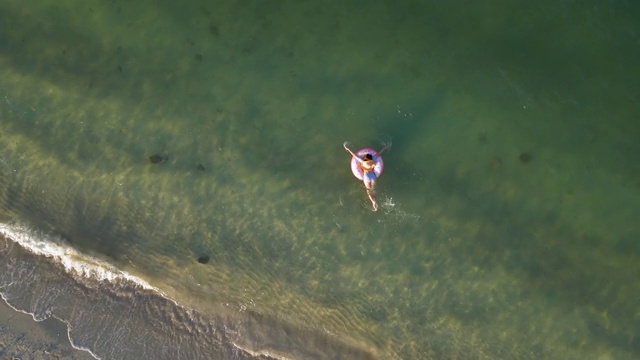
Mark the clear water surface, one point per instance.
(508, 221)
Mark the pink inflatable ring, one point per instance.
(355, 165)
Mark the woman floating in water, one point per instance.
(367, 166)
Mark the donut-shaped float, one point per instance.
(355, 164)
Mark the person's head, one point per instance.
(368, 157)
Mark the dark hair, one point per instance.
(368, 156)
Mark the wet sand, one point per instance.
(23, 338)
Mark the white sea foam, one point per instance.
(73, 261)
(390, 207)
(81, 266)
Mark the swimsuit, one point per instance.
(368, 174)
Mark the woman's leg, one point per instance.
(371, 192)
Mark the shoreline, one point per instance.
(154, 322)
(23, 337)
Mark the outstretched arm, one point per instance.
(386, 147)
(360, 160)
(349, 150)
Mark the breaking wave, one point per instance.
(115, 315)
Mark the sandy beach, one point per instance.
(23, 338)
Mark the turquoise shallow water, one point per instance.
(508, 202)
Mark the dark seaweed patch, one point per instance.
(157, 159)
(525, 157)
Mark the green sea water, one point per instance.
(508, 220)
